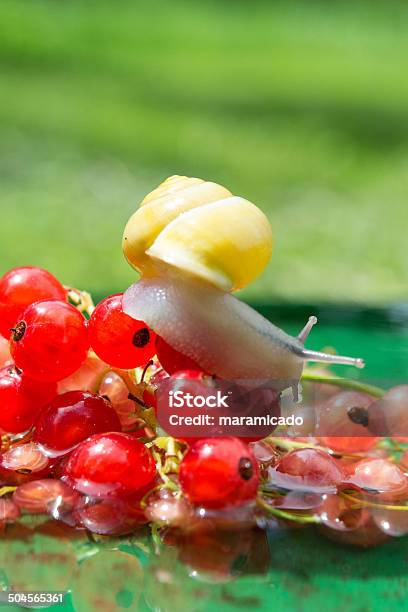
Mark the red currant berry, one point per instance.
(310, 468)
(71, 418)
(391, 522)
(21, 287)
(118, 339)
(110, 464)
(345, 414)
(23, 463)
(21, 400)
(195, 382)
(110, 516)
(51, 340)
(219, 472)
(166, 507)
(25, 458)
(40, 496)
(114, 387)
(388, 415)
(379, 476)
(171, 360)
(338, 513)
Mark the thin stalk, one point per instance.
(368, 504)
(343, 383)
(297, 518)
(288, 444)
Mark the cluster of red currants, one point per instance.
(71, 439)
(77, 442)
(355, 498)
(49, 340)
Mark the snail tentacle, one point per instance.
(304, 334)
(320, 357)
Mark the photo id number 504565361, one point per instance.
(32, 599)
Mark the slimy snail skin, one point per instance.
(194, 243)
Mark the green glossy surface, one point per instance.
(281, 570)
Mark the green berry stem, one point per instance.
(297, 518)
(287, 444)
(343, 383)
(368, 504)
(7, 489)
(82, 300)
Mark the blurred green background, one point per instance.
(301, 107)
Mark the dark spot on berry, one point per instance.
(245, 468)
(141, 337)
(24, 471)
(358, 415)
(18, 331)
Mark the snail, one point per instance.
(194, 243)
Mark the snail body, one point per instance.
(194, 243)
(219, 332)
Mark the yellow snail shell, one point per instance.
(188, 226)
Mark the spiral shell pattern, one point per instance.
(188, 226)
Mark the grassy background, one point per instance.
(300, 106)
